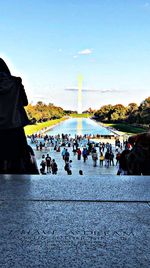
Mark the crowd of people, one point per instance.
(102, 154)
(49, 164)
(131, 157)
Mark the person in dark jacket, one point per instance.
(14, 151)
(138, 160)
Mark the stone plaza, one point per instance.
(74, 221)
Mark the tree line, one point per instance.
(130, 114)
(133, 114)
(41, 112)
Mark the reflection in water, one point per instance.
(79, 126)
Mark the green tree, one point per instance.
(42, 112)
(118, 112)
(104, 113)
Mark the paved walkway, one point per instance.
(77, 165)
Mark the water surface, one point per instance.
(79, 126)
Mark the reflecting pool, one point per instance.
(79, 126)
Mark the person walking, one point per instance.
(84, 154)
(66, 157)
(107, 159)
(101, 158)
(111, 158)
(43, 165)
(63, 153)
(79, 154)
(68, 167)
(48, 163)
(54, 167)
(94, 157)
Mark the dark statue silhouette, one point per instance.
(15, 153)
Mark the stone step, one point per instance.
(53, 187)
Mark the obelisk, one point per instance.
(80, 80)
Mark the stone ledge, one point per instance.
(103, 188)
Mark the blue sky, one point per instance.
(50, 42)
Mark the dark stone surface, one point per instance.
(50, 187)
(74, 230)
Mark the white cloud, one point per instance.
(97, 90)
(86, 51)
(75, 56)
(111, 90)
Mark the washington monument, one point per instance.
(80, 80)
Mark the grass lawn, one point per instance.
(126, 128)
(30, 129)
